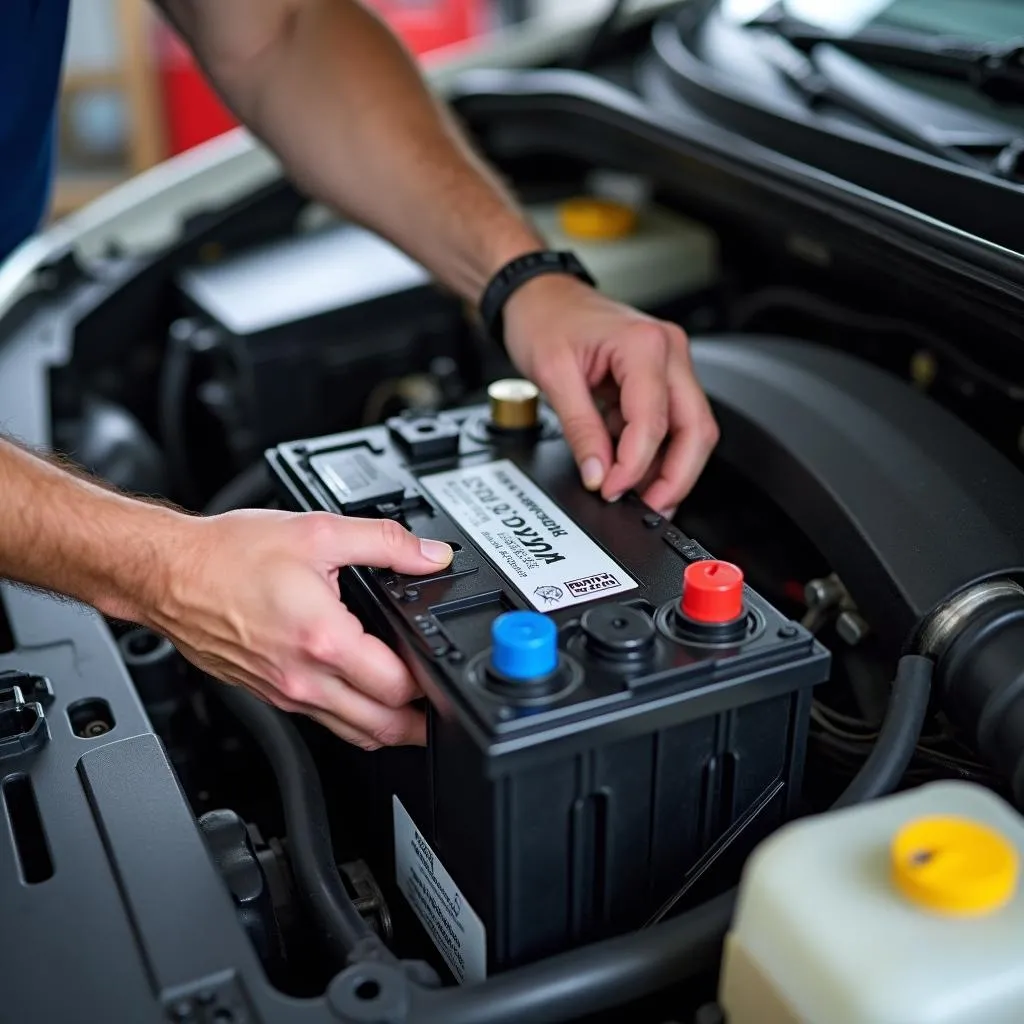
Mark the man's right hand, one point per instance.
(252, 598)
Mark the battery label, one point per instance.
(450, 921)
(532, 542)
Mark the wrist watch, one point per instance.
(515, 274)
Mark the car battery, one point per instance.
(611, 711)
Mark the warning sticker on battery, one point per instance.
(549, 559)
(450, 921)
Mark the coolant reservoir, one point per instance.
(907, 910)
(639, 253)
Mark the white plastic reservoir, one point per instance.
(907, 910)
(642, 254)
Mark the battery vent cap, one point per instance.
(712, 592)
(515, 404)
(524, 645)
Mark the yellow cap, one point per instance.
(596, 220)
(954, 866)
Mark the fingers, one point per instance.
(568, 392)
(640, 365)
(269, 619)
(359, 708)
(342, 648)
(694, 436)
(381, 543)
(341, 729)
(353, 683)
(386, 727)
(359, 719)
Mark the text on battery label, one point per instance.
(530, 540)
(452, 924)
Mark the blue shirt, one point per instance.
(32, 34)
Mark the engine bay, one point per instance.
(179, 852)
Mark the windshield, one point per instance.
(977, 20)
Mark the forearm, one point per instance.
(332, 92)
(63, 533)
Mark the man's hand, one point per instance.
(394, 159)
(252, 599)
(249, 597)
(582, 348)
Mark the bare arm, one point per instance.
(64, 533)
(250, 597)
(328, 87)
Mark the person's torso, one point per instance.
(32, 34)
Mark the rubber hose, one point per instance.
(574, 985)
(600, 977)
(173, 394)
(252, 488)
(899, 735)
(310, 851)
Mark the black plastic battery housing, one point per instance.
(549, 815)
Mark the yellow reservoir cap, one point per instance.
(596, 220)
(954, 866)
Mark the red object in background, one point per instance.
(194, 113)
(427, 25)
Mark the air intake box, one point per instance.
(611, 710)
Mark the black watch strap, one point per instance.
(515, 274)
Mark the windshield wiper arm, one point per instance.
(994, 69)
(815, 85)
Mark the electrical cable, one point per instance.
(310, 850)
(847, 740)
(899, 735)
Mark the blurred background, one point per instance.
(132, 95)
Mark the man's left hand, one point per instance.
(655, 430)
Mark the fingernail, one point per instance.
(592, 472)
(614, 498)
(669, 513)
(436, 551)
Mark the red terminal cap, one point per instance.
(712, 592)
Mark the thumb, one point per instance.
(584, 429)
(385, 544)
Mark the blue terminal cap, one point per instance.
(524, 645)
